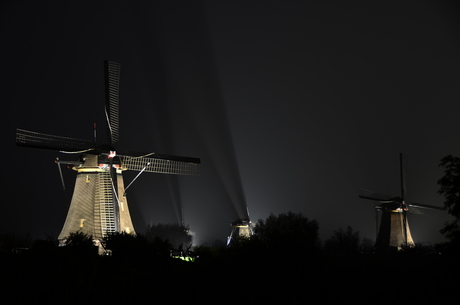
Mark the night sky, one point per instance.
(291, 106)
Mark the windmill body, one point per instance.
(394, 231)
(99, 206)
(239, 228)
(394, 228)
(91, 209)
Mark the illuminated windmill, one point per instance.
(394, 229)
(99, 205)
(240, 228)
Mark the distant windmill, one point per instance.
(99, 205)
(240, 228)
(394, 229)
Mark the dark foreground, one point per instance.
(294, 279)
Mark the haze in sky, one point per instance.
(291, 106)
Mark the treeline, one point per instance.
(292, 235)
(157, 240)
(286, 234)
(283, 262)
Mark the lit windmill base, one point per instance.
(240, 228)
(394, 229)
(92, 210)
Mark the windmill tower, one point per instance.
(394, 229)
(99, 205)
(240, 228)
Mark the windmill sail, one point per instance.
(112, 85)
(51, 142)
(366, 194)
(162, 164)
(403, 164)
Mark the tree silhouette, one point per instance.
(13, 242)
(79, 244)
(79, 239)
(450, 189)
(177, 235)
(287, 233)
(343, 242)
(122, 244)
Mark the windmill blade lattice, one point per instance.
(419, 208)
(171, 165)
(33, 139)
(403, 165)
(370, 195)
(112, 88)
